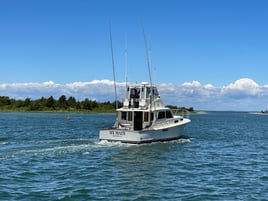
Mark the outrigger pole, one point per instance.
(126, 61)
(148, 56)
(149, 70)
(112, 52)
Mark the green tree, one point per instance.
(27, 102)
(4, 100)
(86, 104)
(19, 103)
(191, 109)
(62, 102)
(42, 102)
(35, 105)
(71, 102)
(51, 102)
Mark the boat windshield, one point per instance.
(164, 115)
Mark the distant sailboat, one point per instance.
(264, 111)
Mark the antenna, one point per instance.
(148, 55)
(112, 52)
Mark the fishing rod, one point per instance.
(112, 52)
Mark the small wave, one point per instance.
(3, 143)
(106, 143)
(178, 141)
(4, 140)
(184, 140)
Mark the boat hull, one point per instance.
(145, 136)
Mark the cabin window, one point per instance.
(155, 92)
(134, 93)
(152, 116)
(168, 114)
(146, 117)
(129, 115)
(161, 115)
(124, 116)
(142, 94)
(148, 91)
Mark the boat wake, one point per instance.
(70, 146)
(48, 148)
(118, 143)
(106, 143)
(183, 140)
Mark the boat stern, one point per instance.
(120, 135)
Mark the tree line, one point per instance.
(181, 109)
(64, 104)
(52, 104)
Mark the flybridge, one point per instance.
(141, 96)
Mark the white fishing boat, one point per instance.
(144, 118)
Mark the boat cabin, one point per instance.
(142, 107)
(141, 119)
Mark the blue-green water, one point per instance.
(222, 156)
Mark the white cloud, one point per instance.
(242, 87)
(243, 94)
(209, 87)
(194, 83)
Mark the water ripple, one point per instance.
(223, 156)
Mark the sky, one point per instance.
(210, 55)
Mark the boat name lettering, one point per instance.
(117, 133)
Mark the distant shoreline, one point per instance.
(260, 113)
(61, 111)
(87, 111)
(190, 112)
(200, 112)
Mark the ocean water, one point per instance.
(221, 156)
